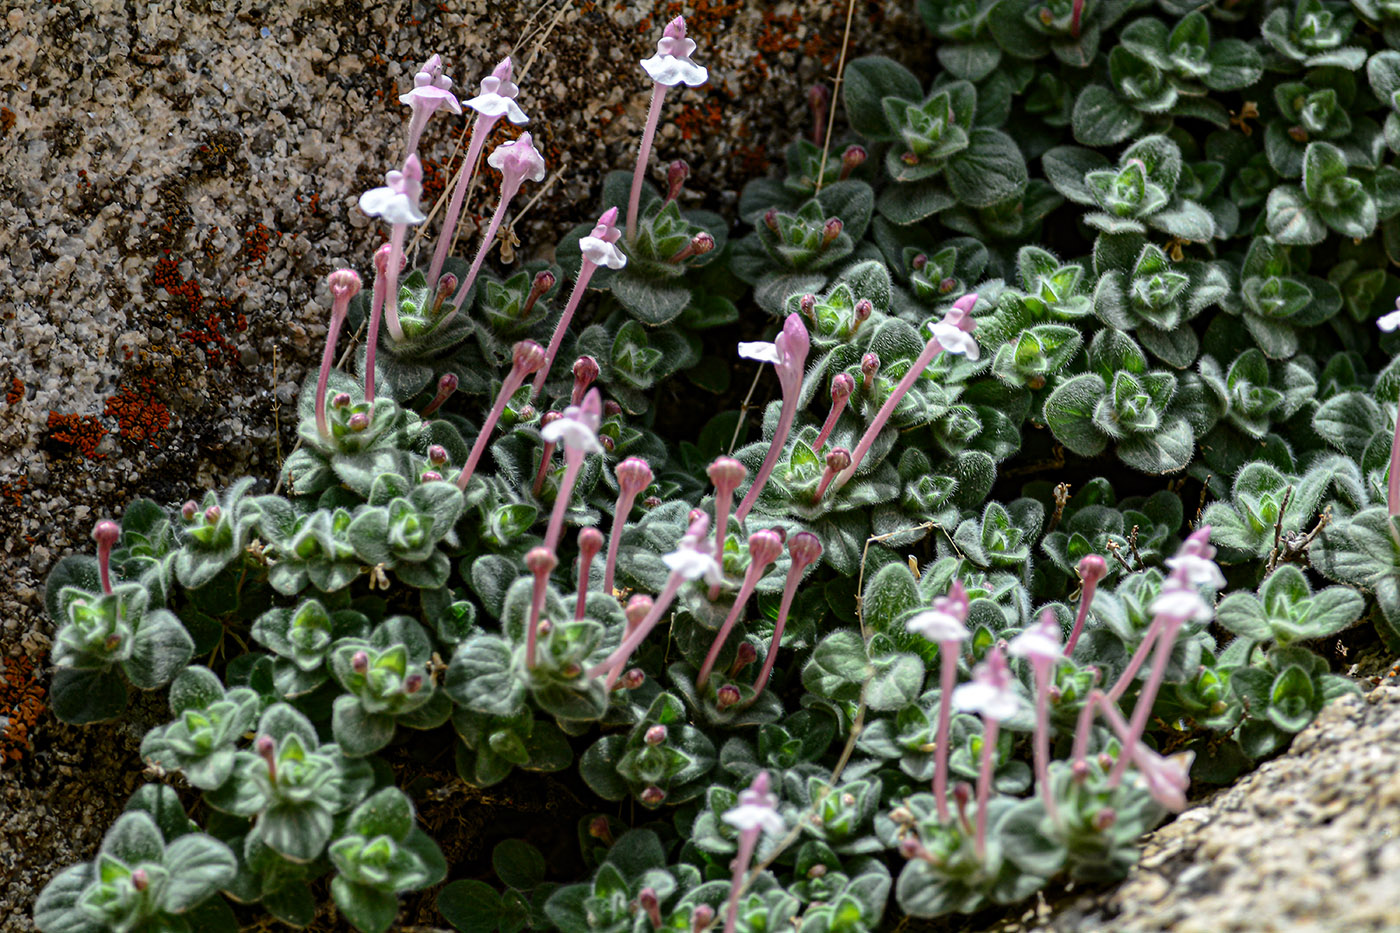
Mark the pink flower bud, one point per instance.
(608, 444)
(1105, 818)
(727, 696)
(413, 683)
(743, 657)
(590, 542)
(437, 455)
(359, 663)
(430, 476)
(446, 386)
(770, 219)
(652, 796)
(359, 421)
(633, 679)
(544, 280)
(764, 547)
(340, 400)
(727, 474)
(676, 174)
(212, 515)
(807, 305)
(841, 388)
(446, 285)
(540, 560)
(837, 459)
(106, 533)
(919, 261)
(344, 284)
(633, 475)
(651, 906)
(862, 311)
(1092, 569)
(585, 371)
(869, 366)
(188, 510)
(527, 356)
(1079, 771)
(266, 749)
(655, 735)
(599, 828)
(637, 608)
(853, 158)
(701, 917)
(140, 880)
(831, 230)
(804, 548)
(946, 285)
(611, 409)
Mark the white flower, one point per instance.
(574, 433)
(1180, 601)
(1389, 322)
(937, 625)
(691, 563)
(431, 88)
(497, 97)
(1167, 778)
(517, 161)
(672, 65)
(1197, 570)
(397, 201)
(757, 809)
(750, 816)
(1040, 642)
(578, 429)
(953, 340)
(600, 246)
(990, 693)
(760, 350)
(991, 702)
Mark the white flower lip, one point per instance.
(497, 99)
(574, 433)
(937, 626)
(751, 816)
(394, 202)
(690, 563)
(672, 65)
(1035, 643)
(998, 703)
(1389, 322)
(954, 340)
(1181, 602)
(1197, 570)
(760, 350)
(601, 253)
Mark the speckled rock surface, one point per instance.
(176, 179)
(1308, 843)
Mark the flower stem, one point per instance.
(481, 251)
(1085, 600)
(931, 349)
(789, 591)
(323, 380)
(990, 729)
(620, 513)
(391, 287)
(1042, 734)
(613, 663)
(948, 675)
(770, 461)
(480, 130)
(745, 591)
(573, 462)
(748, 841)
(508, 388)
(1166, 639)
(585, 272)
(634, 199)
(372, 337)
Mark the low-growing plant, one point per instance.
(942, 623)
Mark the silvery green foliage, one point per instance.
(1178, 225)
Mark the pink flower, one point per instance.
(672, 65)
(945, 621)
(599, 247)
(953, 333)
(1167, 777)
(397, 201)
(1039, 643)
(517, 161)
(497, 97)
(431, 89)
(990, 693)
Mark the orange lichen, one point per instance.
(15, 491)
(7, 121)
(21, 705)
(81, 432)
(257, 241)
(16, 393)
(140, 415)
